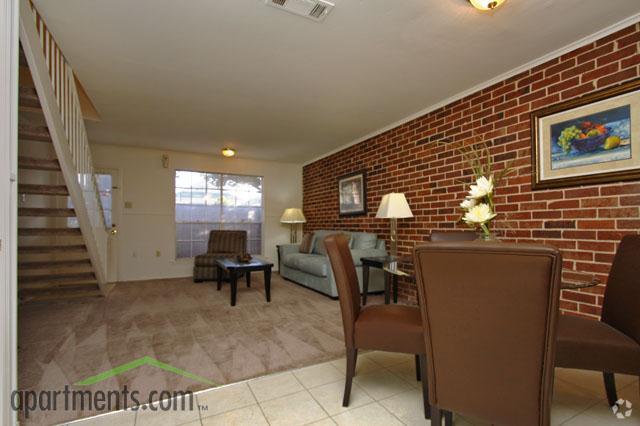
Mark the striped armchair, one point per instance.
(221, 244)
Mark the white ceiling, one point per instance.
(196, 75)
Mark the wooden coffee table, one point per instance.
(235, 268)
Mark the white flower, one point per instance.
(483, 187)
(479, 215)
(468, 203)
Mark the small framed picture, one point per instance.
(592, 139)
(353, 193)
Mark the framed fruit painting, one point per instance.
(592, 139)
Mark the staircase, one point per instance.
(61, 229)
(53, 262)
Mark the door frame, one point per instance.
(8, 202)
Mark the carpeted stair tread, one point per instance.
(33, 232)
(34, 133)
(53, 264)
(31, 163)
(42, 249)
(45, 212)
(27, 188)
(57, 279)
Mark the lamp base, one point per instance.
(394, 237)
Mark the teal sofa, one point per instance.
(313, 269)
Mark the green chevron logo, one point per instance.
(145, 360)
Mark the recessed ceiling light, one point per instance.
(486, 4)
(228, 152)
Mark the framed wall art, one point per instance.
(352, 190)
(592, 139)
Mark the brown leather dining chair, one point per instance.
(436, 236)
(611, 345)
(490, 312)
(391, 328)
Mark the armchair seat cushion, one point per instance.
(393, 328)
(594, 345)
(222, 243)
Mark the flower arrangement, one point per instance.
(478, 206)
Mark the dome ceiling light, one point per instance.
(228, 152)
(486, 4)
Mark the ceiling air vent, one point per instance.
(312, 9)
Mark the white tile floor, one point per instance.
(384, 393)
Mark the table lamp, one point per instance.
(293, 216)
(394, 206)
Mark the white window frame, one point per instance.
(175, 224)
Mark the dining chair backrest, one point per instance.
(436, 236)
(490, 314)
(344, 272)
(621, 306)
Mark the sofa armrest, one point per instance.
(285, 249)
(381, 245)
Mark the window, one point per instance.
(209, 201)
(105, 188)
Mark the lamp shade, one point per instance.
(293, 216)
(394, 206)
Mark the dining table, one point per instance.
(401, 267)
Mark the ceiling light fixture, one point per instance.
(486, 4)
(228, 152)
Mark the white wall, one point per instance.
(149, 225)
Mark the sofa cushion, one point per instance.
(364, 240)
(292, 259)
(318, 244)
(307, 243)
(314, 264)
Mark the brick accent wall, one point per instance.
(585, 222)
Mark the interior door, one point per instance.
(111, 196)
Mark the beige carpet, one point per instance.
(189, 326)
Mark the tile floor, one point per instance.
(384, 393)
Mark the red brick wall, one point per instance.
(585, 222)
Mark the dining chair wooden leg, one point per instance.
(610, 388)
(425, 385)
(418, 375)
(436, 416)
(352, 356)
